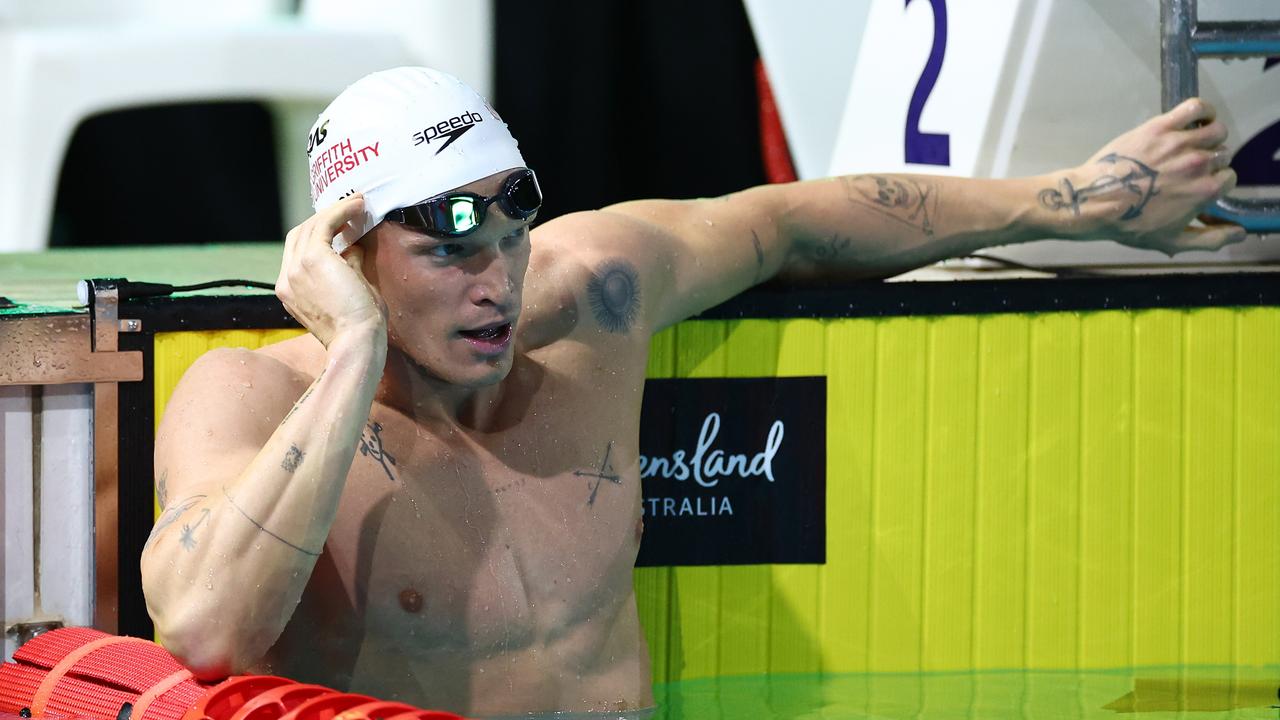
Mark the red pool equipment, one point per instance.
(81, 671)
(376, 710)
(225, 699)
(84, 674)
(274, 703)
(326, 707)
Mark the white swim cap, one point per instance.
(401, 136)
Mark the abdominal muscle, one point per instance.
(593, 666)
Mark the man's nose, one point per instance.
(493, 283)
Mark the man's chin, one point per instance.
(479, 373)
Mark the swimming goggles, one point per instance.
(455, 214)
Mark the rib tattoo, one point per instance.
(606, 472)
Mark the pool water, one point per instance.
(1194, 693)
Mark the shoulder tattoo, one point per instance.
(614, 295)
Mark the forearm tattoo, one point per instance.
(606, 472)
(304, 397)
(614, 295)
(371, 446)
(908, 201)
(162, 488)
(258, 525)
(188, 537)
(1140, 181)
(755, 242)
(171, 515)
(292, 459)
(831, 248)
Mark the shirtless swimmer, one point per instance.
(388, 503)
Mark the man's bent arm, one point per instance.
(232, 552)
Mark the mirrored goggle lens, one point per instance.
(457, 215)
(525, 195)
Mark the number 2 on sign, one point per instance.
(929, 148)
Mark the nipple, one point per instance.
(411, 600)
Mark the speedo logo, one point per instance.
(450, 129)
(316, 138)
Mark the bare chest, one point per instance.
(492, 541)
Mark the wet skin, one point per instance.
(478, 561)
(476, 573)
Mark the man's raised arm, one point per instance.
(1142, 189)
(249, 486)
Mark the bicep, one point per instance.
(703, 252)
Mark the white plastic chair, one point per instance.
(62, 62)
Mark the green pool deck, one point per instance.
(45, 282)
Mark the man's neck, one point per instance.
(410, 389)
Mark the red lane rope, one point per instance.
(67, 663)
(145, 699)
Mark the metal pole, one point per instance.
(1177, 56)
(1183, 41)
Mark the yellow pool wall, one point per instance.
(1048, 491)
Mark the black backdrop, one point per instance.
(610, 99)
(621, 100)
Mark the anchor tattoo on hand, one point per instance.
(1140, 180)
(606, 472)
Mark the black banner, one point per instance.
(734, 471)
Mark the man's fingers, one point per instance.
(1226, 180)
(1193, 111)
(1207, 136)
(354, 257)
(332, 220)
(1221, 159)
(1210, 238)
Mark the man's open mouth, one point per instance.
(490, 338)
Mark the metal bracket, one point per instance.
(24, 631)
(1184, 40)
(60, 349)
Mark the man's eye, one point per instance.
(445, 249)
